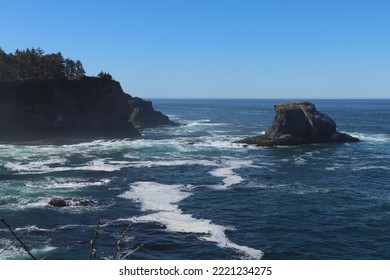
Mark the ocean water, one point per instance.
(189, 193)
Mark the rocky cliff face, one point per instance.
(143, 115)
(85, 108)
(298, 123)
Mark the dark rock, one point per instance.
(193, 142)
(144, 116)
(81, 202)
(58, 202)
(61, 202)
(298, 123)
(86, 108)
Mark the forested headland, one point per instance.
(44, 96)
(34, 64)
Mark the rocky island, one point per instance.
(298, 123)
(47, 97)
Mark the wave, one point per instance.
(33, 228)
(178, 162)
(309, 190)
(41, 167)
(29, 229)
(26, 203)
(50, 153)
(203, 123)
(13, 252)
(66, 183)
(162, 200)
(371, 167)
(375, 137)
(299, 160)
(35, 164)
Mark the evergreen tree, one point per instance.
(70, 69)
(33, 64)
(79, 69)
(6, 66)
(104, 75)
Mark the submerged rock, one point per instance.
(298, 123)
(61, 202)
(58, 202)
(193, 142)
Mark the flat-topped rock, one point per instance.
(298, 123)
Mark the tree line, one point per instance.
(34, 64)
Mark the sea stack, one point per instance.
(299, 123)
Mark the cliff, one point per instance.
(298, 123)
(85, 108)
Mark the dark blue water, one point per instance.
(191, 194)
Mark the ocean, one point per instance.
(189, 193)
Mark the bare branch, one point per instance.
(118, 244)
(92, 252)
(17, 238)
(132, 251)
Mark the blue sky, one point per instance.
(216, 48)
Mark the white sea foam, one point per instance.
(299, 160)
(178, 162)
(66, 183)
(16, 252)
(36, 164)
(25, 203)
(375, 137)
(203, 123)
(226, 171)
(221, 143)
(10, 250)
(49, 154)
(156, 197)
(265, 186)
(33, 228)
(230, 177)
(371, 167)
(163, 199)
(335, 166)
(303, 191)
(41, 167)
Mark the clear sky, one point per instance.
(215, 48)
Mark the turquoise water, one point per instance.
(190, 193)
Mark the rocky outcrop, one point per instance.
(64, 202)
(298, 123)
(144, 116)
(85, 108)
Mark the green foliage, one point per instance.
(34, 64)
